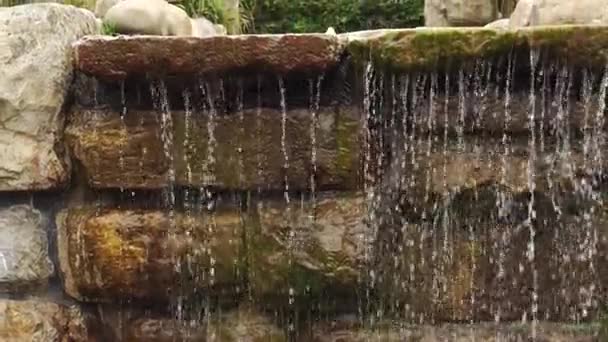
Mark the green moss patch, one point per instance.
(416, 49)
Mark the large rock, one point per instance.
(130, 153)
(154, 17)
(38, 321)
(559, 12)
(119, 57)
(439, 13)
(36, 58)
(24, 257)
(144, 254)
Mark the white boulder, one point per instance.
(441, 13)
(559, 12)
(102, 7)
(149, 17)
(201, 27)
(36, 72)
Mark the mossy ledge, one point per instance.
(437, 48)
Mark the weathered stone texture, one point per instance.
(309, 249)
(559, 12)
(442, 48)
(111, 254)
(36, 59)
(116, 58)
(247, 151)
(39, 321)
(24, 257)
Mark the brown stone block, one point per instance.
(246, 152)
(110, 254)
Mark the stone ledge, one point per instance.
(429, 48)
(115, 58)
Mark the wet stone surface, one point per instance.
(41, 321)
(243, 152)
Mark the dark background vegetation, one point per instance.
(299, 16)
(275, 16)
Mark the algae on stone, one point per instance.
(432, 49)
(110, 254)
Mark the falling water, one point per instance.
(123, 126)
(315, 101)
(284, 143)
(532, 187)
(187, 97)
(368, 181)
(292, 232)
(209, 92)
(502, 201)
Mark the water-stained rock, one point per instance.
(106, 255)
(486, 255)
(117, 58)
(24, 257)
(307, 248)
(246, 150)
(40, 321)
(36, 58)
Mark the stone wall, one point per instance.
(299, 187)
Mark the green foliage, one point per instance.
(109, 29)
(235, 21)
(280, 16)
(276, 16)
(603, 331)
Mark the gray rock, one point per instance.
(559, 12)
(36, 59)
(440, 13)
(24, 258)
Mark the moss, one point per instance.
(432, 48)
